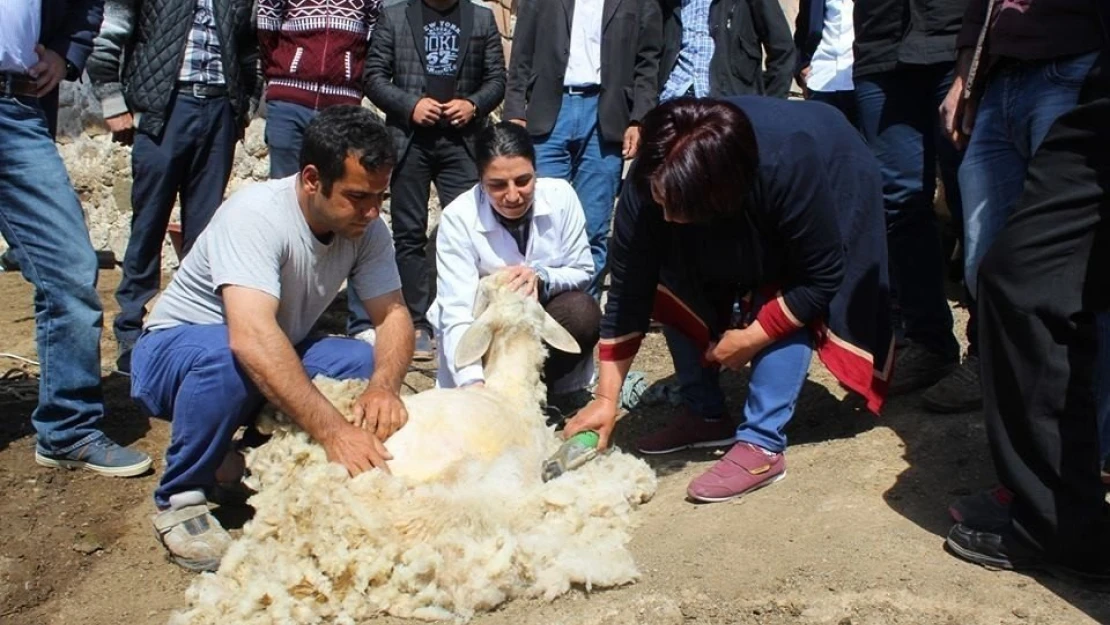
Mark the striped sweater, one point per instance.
(313, 51)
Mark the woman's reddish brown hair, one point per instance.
(700, 155)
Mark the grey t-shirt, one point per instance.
(259, 239)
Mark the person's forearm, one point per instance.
(392, 351)
(610, 379)
(963, 62)
(273, 365)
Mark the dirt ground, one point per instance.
(853, 536)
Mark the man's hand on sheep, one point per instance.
(380, 411)
(523, 280)
(356, 449)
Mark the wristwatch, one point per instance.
(72, 73)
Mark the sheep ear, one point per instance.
(558, 337)
(474, 343)
(481, 302)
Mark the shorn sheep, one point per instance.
(463, 524)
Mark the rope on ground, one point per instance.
(35, 363)
(19, 385)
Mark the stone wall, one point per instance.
(101, 169)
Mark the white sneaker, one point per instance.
(193, 537)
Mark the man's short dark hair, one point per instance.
(344, 130)
(700, 154)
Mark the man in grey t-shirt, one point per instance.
(231, 330)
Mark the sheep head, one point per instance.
(508, 333)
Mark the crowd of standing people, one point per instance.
(649, 167)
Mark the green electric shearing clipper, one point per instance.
(575, 452)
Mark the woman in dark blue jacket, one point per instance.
(753, 229)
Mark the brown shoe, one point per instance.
(425, 348)
(687, 431)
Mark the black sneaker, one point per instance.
(999, 550)
(1005, 551)
(916, 367)
(985, 510)
(959, 391)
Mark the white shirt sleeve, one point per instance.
(577, 268)
(456, 288)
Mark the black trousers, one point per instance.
(579, 314)
(191, 160)
(1039, 287)
(433, 155)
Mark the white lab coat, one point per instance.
(472, 244)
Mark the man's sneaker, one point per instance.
(1005, 551)
(959, 391)
(424, 350)
(745, 468)
(101, 456)
(688, 430)
(916, 367)
(193, 537)
(987, 510)
(997, 550)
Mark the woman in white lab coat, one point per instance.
(533, 226)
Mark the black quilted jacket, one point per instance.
(138, 54)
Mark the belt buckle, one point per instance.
(6, 81)
(198, 89)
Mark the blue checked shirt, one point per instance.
(692, 67)
(202, 61)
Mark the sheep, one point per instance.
(463, 524)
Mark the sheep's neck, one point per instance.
(513, 367)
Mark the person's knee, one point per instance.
(580, 315)
(340, 358)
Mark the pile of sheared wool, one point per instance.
(463, 524)
(326, 548)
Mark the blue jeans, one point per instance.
(189, 373)
(285, 124)
(41, 218)
(575, 151)
(898, 118)
(192, 159)
(1018, 107)
(777, 375)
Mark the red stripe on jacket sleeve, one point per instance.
(776, 319)
(613, 350)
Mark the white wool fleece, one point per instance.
(462, 525)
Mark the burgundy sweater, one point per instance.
(313, 51)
